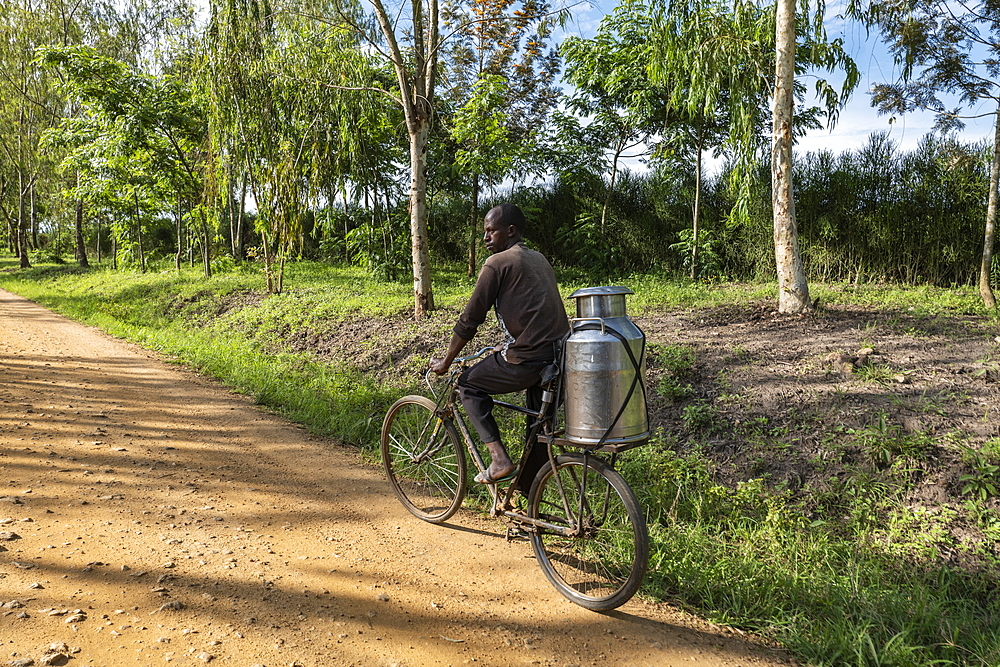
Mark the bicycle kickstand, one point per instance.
(516, 533)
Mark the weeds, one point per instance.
(879, 373)
(677, 362)
(700, 416)
(983, 480)
(884, 442)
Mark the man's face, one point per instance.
(497, 237)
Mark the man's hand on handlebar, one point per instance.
(440, 366)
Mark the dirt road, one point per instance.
(147, 515)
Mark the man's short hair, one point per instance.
(509, 214)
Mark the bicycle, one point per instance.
(584, 523)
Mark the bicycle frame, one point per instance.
(542, 429)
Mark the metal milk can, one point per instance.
(604, 383)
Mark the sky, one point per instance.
(859, 119)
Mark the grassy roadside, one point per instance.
(854, 585)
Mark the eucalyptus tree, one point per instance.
(944, 48)
(282, 88)
(255, 128)
(407, 38)
(354, 148)
(737, 55)
(416, 67)
(793, 289)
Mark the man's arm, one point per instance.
(441, 366)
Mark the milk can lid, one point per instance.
(600, 291)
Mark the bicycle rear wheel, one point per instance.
(423, 459)
(602, 564)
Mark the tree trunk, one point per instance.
(423, 295)
(265, 245)
(474, 238)
(34, 216)
(231, 212)
(11, 227)
(138, 232)
(81, 248)
(985, 291)
(697, 205)
(240, 232)
(793, 291)
(22, 224)
(611, 183)
(272, 288)
(178, 256)
(206, 250)
(416, 88)
(12, 236)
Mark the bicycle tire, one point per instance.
(602, 569)
(428, 477)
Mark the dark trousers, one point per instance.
(493, 375)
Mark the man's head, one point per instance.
(503, 226)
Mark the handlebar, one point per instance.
(478, 355)
(460, 361)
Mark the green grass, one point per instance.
(676, 362)
(924, 300)
(834, 594)
(846, 574)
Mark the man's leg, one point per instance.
(477, 386)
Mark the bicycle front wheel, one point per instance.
(423, 459)
(601, 562)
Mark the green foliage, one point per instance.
(134, 150)
(709, 262)
(676, 362)
(717, 60)
(884, 442)
(47, 255)
(983, 480)
(880, 373)
(700, 416)
(381, 246)
(877, 214)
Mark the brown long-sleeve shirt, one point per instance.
(521, 285)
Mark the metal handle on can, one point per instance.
(590, 319)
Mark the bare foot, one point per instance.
(496, 474)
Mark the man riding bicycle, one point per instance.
(520, 285)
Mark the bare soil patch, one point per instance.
(805, 383)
